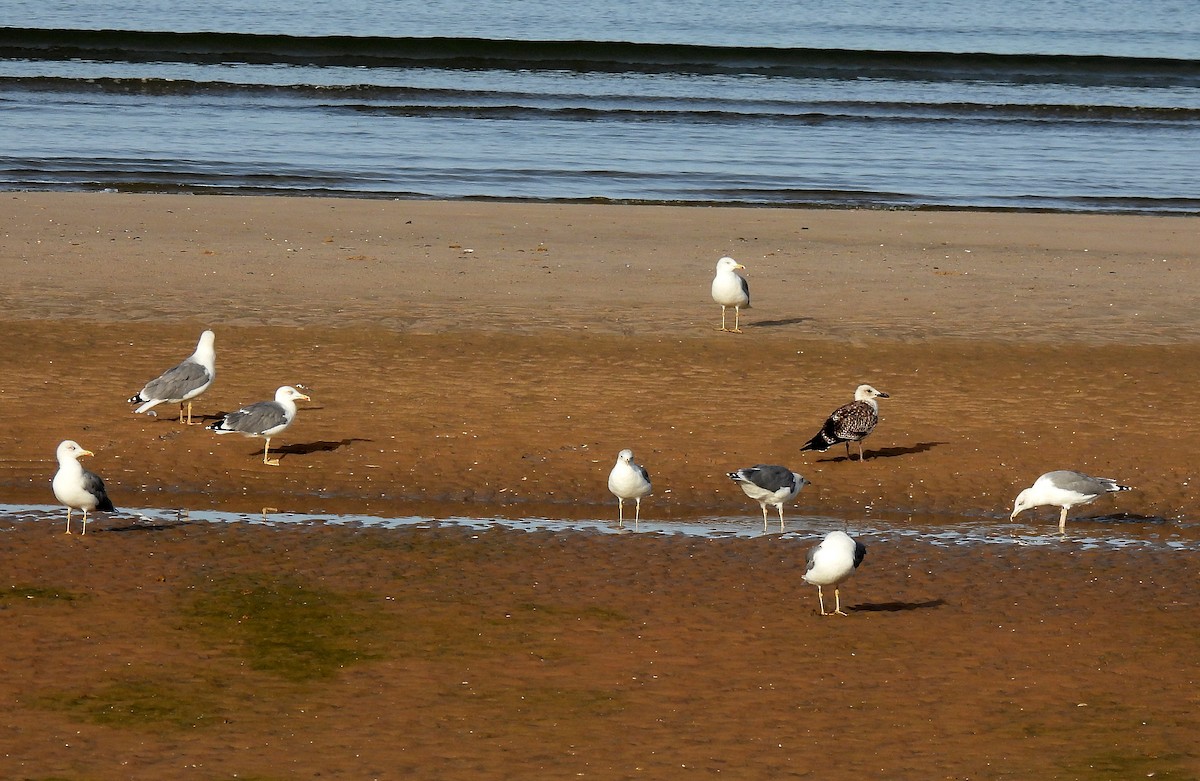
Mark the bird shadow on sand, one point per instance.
(143, 524)
(777, 323)
(321, 446)
(198, 419)
(887, 452)
(897, 607)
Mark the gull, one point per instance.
(263, 419)
(769, 484)
(830, 562)
(183, 382)
(1064, 488)
(730, 289)
(851, 422)
(75, 486)
(628, 480)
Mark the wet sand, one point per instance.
(471, 359)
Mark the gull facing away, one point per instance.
(263, 419)
(832, 561)
(730, 289)
(75, 486)
(769, 484)
(628, 480)
(183, 382)
(851, 422)
(1064, 488)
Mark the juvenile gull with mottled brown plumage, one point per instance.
(851, 422)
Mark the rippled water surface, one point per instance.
(1104, 532)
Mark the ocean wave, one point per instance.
(167, 176)
(588, 56)
(482, 104)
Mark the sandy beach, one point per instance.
(490, 359)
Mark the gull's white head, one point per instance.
(69, 449)
(206, 351)
(288, 393)
(728, 264)
(625, 455)
(1024, 502)
(866, 393)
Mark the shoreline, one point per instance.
(816, 205)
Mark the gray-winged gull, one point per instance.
(628, 480)
(75, 486)
(769, 484)
(730, 289)
(832, 561)
(851, 422)
(263, 419)
(1064, 488)
(183, 382)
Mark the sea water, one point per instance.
(1075, 106)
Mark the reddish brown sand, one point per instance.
(490, 360)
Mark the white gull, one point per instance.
(75, 486)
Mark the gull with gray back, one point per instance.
(832, 561)
(730, 289)
(628, 480)
(1064, 488)
(769, 484)
(263, 419)
(183, 382)
(75, 486)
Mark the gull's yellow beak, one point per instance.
(83, 453)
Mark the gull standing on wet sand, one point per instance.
(730, 289)
(263, 419)
(628, 480)
(851, 422)
(1064, 488)
(183, 382)
(769, 484)
(832, 561)
(75, 486)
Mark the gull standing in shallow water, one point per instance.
(628, 480)
(1064, 488)
(730, 289)
(183, 382)
(769, 484)
(830, 562)
(75, 486)
(851, 422)
(263, 419)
